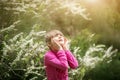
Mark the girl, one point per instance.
(59, 58)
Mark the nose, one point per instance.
(59, 36)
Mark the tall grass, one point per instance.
(89, 54)
(22, 56)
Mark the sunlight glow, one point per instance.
(92, 1)
(70, 7)
(75, 8)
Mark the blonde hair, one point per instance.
(51, 34)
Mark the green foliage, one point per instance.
(22, 57)
(89, 57)
(49, 14)
(22, 45)
(68, 16)
(105, 71)
(84, 40)
(105, 21)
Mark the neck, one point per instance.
(53, 50)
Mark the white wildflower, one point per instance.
(109, 52)
(16, 37)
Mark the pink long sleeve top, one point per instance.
(57, 64)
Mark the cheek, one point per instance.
(55, 38)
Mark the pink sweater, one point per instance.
(57, 64)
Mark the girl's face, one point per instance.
(59, 38)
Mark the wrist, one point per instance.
(60, 48)
(65, 48)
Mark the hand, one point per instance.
(55, 45)
(66, 44)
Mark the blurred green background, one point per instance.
(77, 19)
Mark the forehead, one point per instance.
(54, 33)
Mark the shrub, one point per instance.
(22, 56)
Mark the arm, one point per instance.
(72, 61)
(59, 62)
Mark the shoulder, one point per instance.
(49, 55)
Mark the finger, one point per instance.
(66, 40)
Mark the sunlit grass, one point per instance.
(75, 8)
(92, 1)
(22, 52)
(70, 7)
